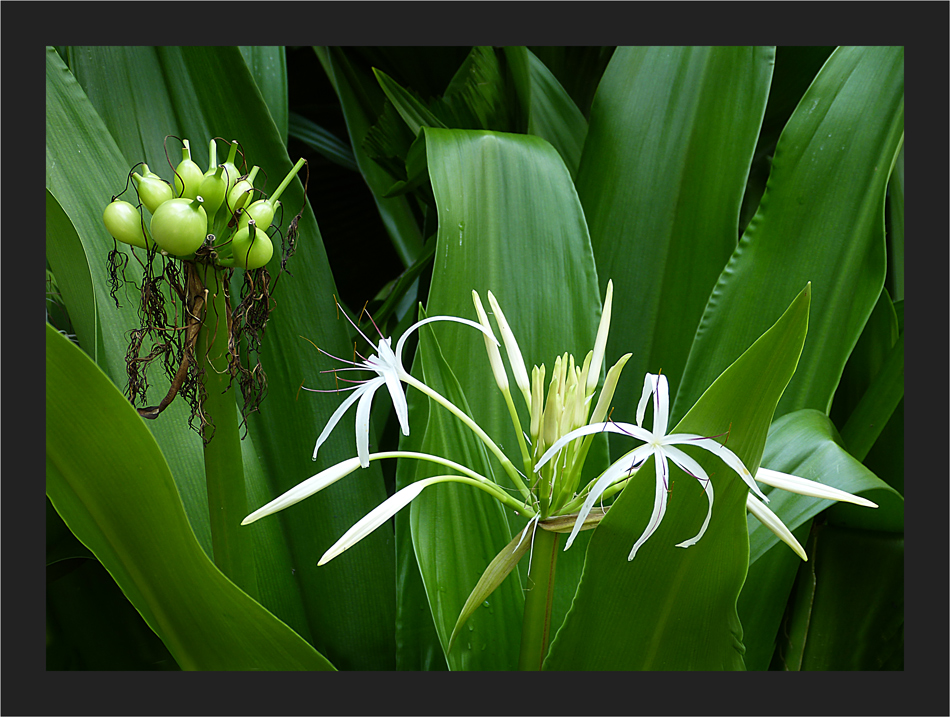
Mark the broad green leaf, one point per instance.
(107, 477)
(673, 608)
(362, 102)
(510, 222)
(457, 529)
(341, 607)
(84, 169)
(803, 443)
(268, 66)
(851, 567)
(820, 220)
(577, 69)
(65, 254)
(550, 112)
(661, 178)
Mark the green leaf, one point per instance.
(65, 254)
(268, 66)
(362, 103)
(851, 567)
(108, 479)
(457, 528)
(661, 178)
(550, 111)
(342, 607)
(803, 443)
(895, 235)
(670, 608)
(820, 220)
(320, 140)
(510, 222)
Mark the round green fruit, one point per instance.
(250, 254)
(124, 222)
(152, 190)
(261, 211)
(179, 226)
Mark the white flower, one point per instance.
(387, 365)
(661, 446)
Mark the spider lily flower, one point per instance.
(660, 445)
(387, 365)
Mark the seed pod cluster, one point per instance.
(214, 207)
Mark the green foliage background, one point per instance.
(712, 185)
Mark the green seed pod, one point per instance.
(261, 211)
(213, 188)
(188, 175)
(153, 191)
(180, 226)
(242, 191)
(252, 249)
(124, 222)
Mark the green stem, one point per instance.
(506, 463)
(537, 603)
(224, 466)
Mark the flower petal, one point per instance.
(659, 502)
(644, 397)
(628, 429)
(803, 486)
(305, 489)
(727, 456)
(362, 421)
(429, 320)
(494, 355)
(377, 516)
(661, 404)
(394, 384)
(774, 523)
(694, 469)
(607, 479)
(370, 385)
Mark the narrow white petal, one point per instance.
(659, 503)
(644, 397)
(305, 489)
(341, 409)
(362, 422)
(467, 322)
(600, 343)
(607, 479)
(803, 486)
(376, 517)
(691, 466)
(627, 429)
(727, 456)
(661, 405)
(774, 523)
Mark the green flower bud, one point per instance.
(124, 222)
(252, 249)
(188, 175)
(179, 226)
(153, 191)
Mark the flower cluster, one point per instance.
(212, 207)
(551, 450)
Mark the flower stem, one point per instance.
(506, 463)
(224, 466)
(538, 598)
